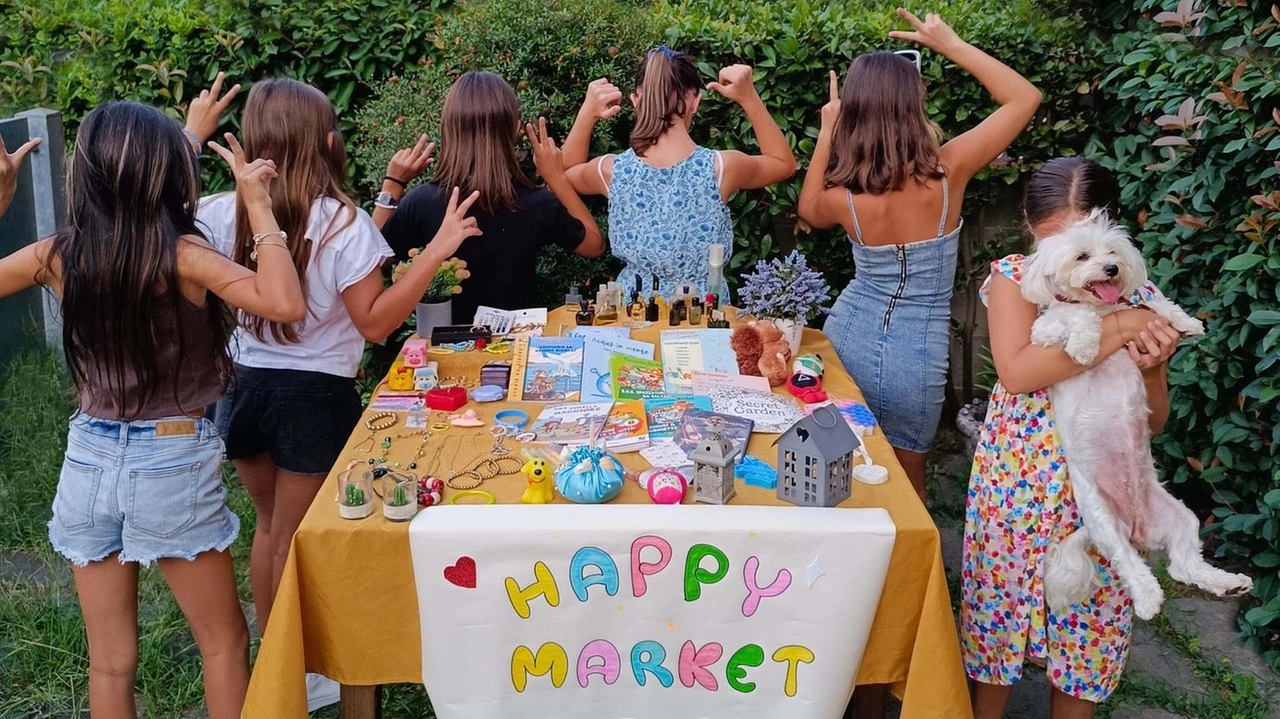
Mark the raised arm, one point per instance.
(204, 114)
(9, 166)
(775, 162)
(550, 162)
(273, 292)
(819, 206)
(1024, 367)
(405, 167)
(604, 101)
(966, 155)
(377, 311)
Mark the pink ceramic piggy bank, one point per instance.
(415, 353)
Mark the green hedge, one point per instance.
(1192, 131)
(72, 55)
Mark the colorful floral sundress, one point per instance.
(1019, 504)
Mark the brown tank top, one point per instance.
(183, 388)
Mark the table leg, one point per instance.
(868, 702)
(361, 702)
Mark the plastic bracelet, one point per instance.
(473, 493)
(513, 418)
(403, 185)
(196, 146)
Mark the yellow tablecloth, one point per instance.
(344, 578)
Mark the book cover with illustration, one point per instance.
(635, 378)
(686, 353)
(626, 429)
(596, 383)
(699, 423)
(772, 413)
(572, 423)
(665, 413)
(552, 369)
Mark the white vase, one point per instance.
(792, 331)
(433, 314)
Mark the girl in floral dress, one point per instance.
(1020, 502)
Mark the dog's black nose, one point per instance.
(1111, 270)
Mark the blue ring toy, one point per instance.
(513, 418)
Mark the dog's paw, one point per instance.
(1226, 584)
(1082, 349)
(1147, 597)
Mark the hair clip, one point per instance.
(671, 54)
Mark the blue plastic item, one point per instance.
(590, 476)
(757, 473)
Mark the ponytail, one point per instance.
(663, 83)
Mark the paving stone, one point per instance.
(1030, 696)
(1213, 621)
(952, 540)
(1154, 660)
(29, 568)
(1131, 712)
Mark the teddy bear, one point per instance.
(775, 353)
(747, 347)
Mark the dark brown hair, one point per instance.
(883, 135)
(664, 82)
(132, 190)
(479, 125)
(295, 125)
(1069, 184)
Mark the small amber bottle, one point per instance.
(637, 310)
(586, 316)
(695, 311)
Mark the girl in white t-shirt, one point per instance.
(294, 401)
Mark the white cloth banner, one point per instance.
(564, 611)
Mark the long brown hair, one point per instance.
(295, 125)
(1070, 184)
(883, 135)
(664, 82)
(132, 190)
(478, 128)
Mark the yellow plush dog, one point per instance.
(540, 489)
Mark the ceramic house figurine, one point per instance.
(815, 460)
(713, 463)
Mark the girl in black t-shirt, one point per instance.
(479, 126)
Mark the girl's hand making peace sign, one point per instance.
(407, 164)
(933, 33)
(454, 229)
(204, 114)
(253, 179)
(546, 156)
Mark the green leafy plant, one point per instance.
(446, 283)
(1193, 135)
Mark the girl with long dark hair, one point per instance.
(667, 194)
(479, 126)
(145, 332)
(881, 172)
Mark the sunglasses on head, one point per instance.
(912, 55)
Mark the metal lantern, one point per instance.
(713, 463)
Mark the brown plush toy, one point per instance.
(747, 346)
(775, 353)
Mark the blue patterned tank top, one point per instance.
(663, 220)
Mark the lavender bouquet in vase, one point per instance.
(786, 292)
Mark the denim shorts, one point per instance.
(301, 419)
(150, 489)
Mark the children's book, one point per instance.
(596, 383)
(704, 382)
(635, 378)
(665, 413)
(573, 423)
(546, 369)
(772, 413)
(626, 429)
(698, 424)
(686, 352)
(587, 332)
(513, 323)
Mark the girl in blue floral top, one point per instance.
(667, 194)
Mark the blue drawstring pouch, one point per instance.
(589, 475)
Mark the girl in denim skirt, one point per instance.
(880, 171)
(294, 401)
(145, 336)
(667, 194)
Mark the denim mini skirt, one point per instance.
(148, 489)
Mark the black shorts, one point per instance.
(300, 419)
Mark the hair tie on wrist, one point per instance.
(403, 185)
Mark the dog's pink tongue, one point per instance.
(1106, 291)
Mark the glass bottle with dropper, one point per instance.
(715, 275)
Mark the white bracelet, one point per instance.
(258, 240)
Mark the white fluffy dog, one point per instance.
(1080, 276)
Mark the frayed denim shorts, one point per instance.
(150, 489)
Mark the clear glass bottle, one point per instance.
(715, 275)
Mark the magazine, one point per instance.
(572, 423)
(626, 429)
(665, 413)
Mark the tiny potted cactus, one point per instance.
(400, 497)
(355, 494)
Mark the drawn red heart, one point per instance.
(462, 573)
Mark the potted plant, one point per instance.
(400, 497)
(786, 292)
(355, 494)
(436, 307)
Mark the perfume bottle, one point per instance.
(638, 310)
(695, 311)
(715, 275)
(673, 317)
(606, 310)
(680, 308)
(658, 298)
(586, 316)
(651, 313)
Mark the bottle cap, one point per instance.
(717, 255)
